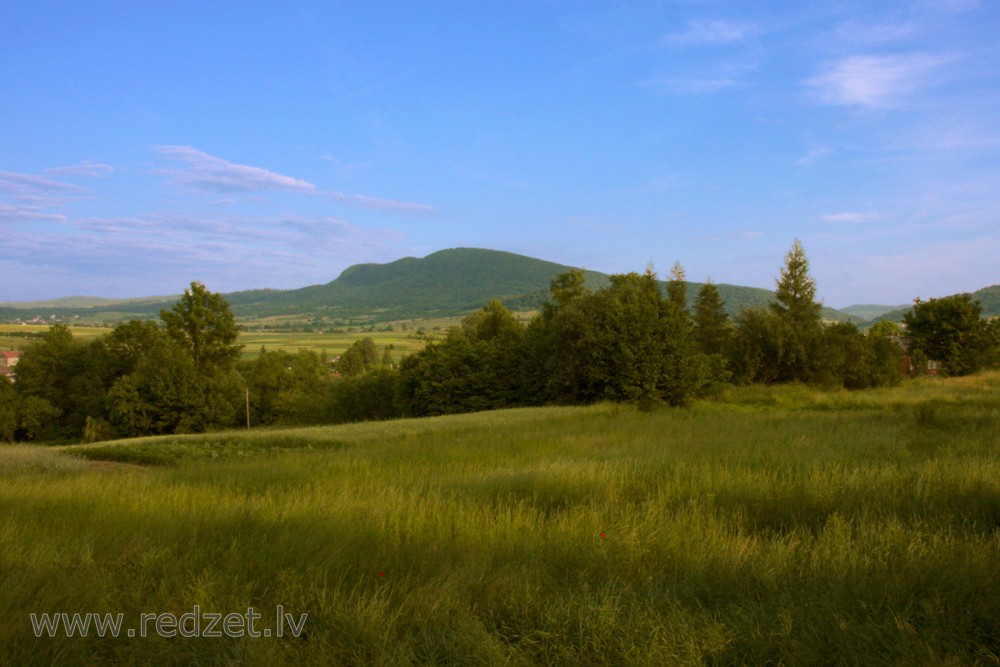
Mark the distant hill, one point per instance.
(88, 302)
(65, 302)
(989, 299)
(449, 282)
(445, 283)
(869, 312)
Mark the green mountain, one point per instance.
(449, 282)
(445, 283)
(989, 299)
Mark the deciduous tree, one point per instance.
(202, 323)
(951, 331)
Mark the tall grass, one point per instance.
(795, 527)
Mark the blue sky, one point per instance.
(249, 144)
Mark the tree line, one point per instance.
(630, 341)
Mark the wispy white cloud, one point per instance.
(711, 32)
(211, 174)
(949, 5)
(698, 75)
(812, 155)
(868, 34)
(877, 82)
(693, 85)
(85, 168)
(208, 173)
(28, 187)
(34, 199)
(21, 213)
(381, 204)
(852, 217)
(167, 247)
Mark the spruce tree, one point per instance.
(677, 287)
(796, 291)
(798, 328)
(711, 321)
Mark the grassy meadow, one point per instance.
(19, 336)
(766, 526)
(330, 343)
(13, 336)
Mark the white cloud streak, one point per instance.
(852, 217)
(208, 173)
(378, 203)
(15, 213)
(951, 6)
(857, 34)
(875, 82)
(812, 155)
(693, 85)
(711, 32)
(29, 187)
(211, 174)
(85, 168)
(156, 249)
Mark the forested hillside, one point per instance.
(988, 297)
(446, 283)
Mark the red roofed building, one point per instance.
(9, 358)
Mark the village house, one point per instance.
(9, 358)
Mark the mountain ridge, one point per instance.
(988, 297)
(445, 283)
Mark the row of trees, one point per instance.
(630, 341)
(179, 375)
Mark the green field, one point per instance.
(404, 342)
(769, 526)
(328, 343)
(19, 336)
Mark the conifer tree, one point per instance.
(796, 291)
(677, 287)
(798, 327)
(711, 320)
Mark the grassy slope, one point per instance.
(773, 526)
